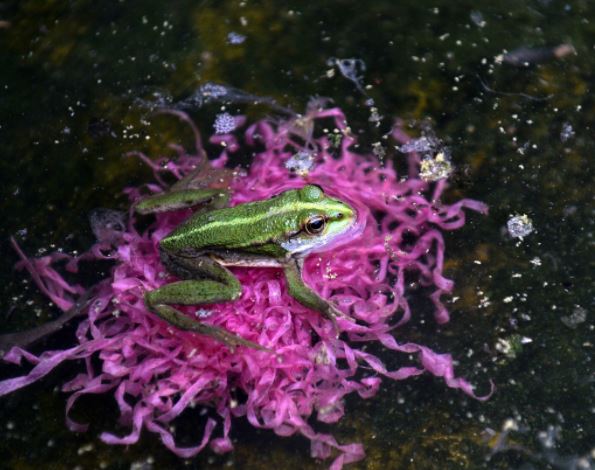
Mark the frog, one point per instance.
(277, 232)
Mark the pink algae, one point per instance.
(155, 372)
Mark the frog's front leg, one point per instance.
(306, 296)
(182, 199)
(219, 285)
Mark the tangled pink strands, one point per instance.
(156, 372)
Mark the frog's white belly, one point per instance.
(243, 260)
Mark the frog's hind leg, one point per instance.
(182, 199)
(220, 286)
(184, 322)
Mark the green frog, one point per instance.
(277, 232)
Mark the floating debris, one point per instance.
(217, 93)
(567, 132)
(203, 313)
(519, 226)
(99, 128)
(375, 117)
(434, 169)
(378, 150)
(424, 144)
(301, 163)
(486, 87)
(213, 90)
(235, 38)
(527, 56)
(477, 19)
(512, 346)
(335, 139)
(548, 440)
(500, 441)
(224, 123)
(107, 225)
(578, 316)
(352, 69)
(435, 156)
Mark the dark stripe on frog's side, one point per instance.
(242, 256)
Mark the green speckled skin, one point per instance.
(252, 226)
(272, 232)
(180, 199)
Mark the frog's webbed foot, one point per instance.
(334, 314)
(229, 339)
(307, 297)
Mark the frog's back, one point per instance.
(235, 228)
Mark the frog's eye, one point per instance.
(315, 224)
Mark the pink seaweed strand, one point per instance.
(156, 372)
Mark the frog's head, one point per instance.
(324, 222)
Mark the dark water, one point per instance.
(69, 76)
